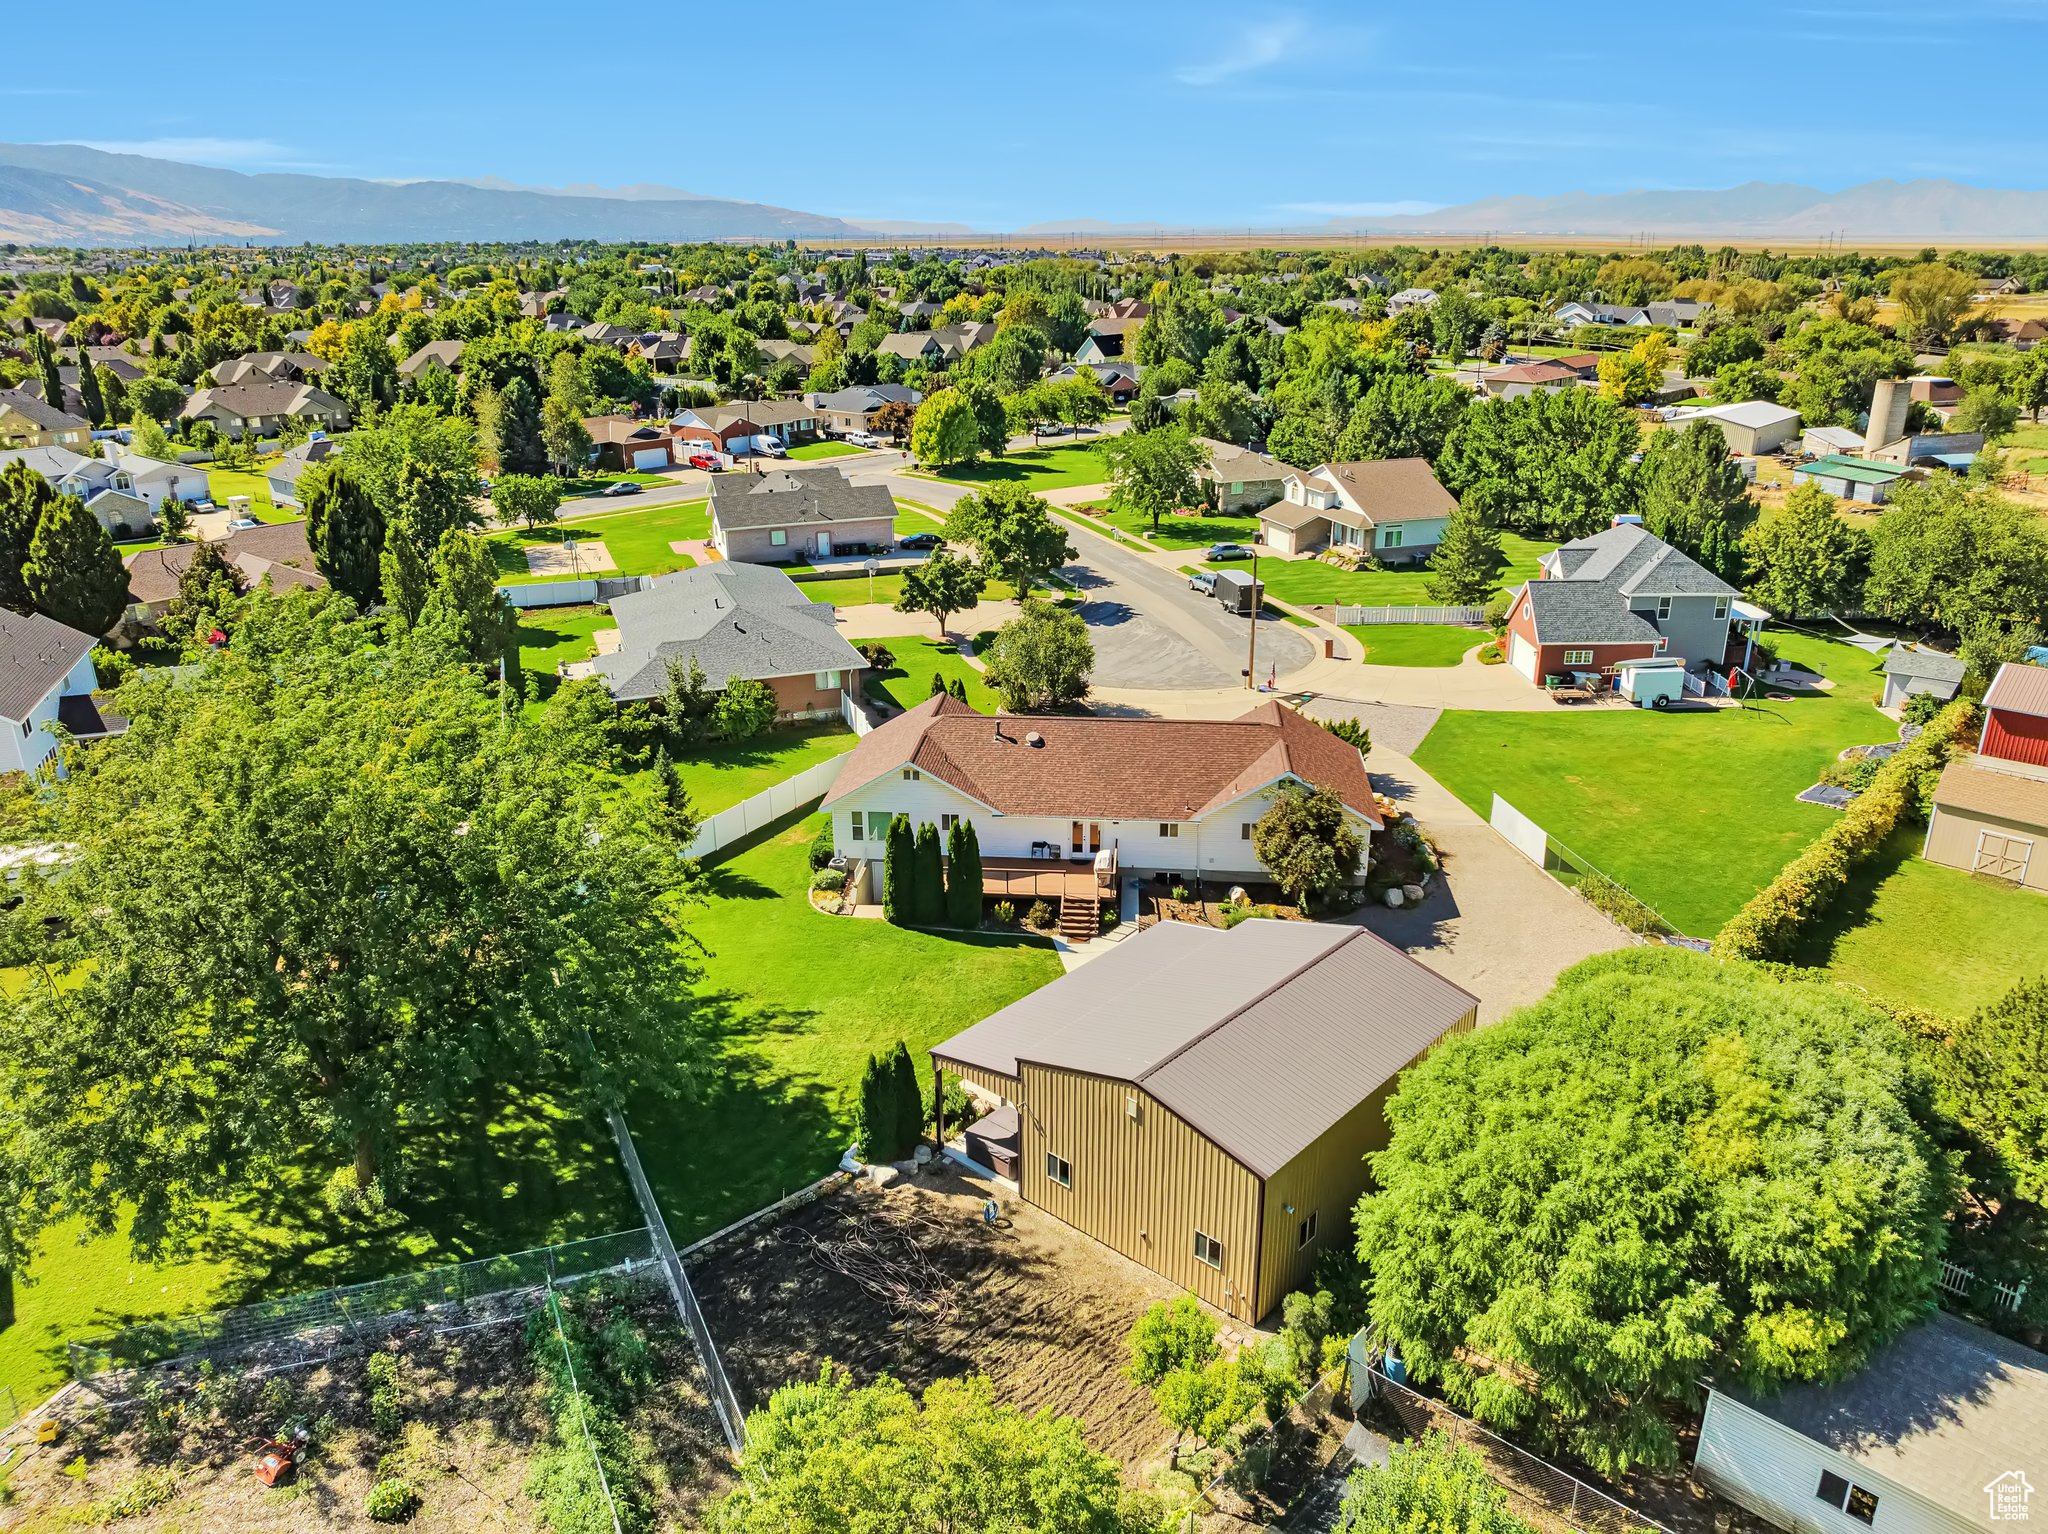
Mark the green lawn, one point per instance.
(1306, 582)
(1180, 532)
(1415, 644)
(1695, 812)
(825, 450)
(718, 777)
(1043, 468)
(916, 517)
(255, 484)
(1922, 935)
(550, 635)
(592, 483)
(638, 541)
(909, 682)
(859, 590)
(2029, 448)
(800, 1000)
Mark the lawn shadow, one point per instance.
(1854, 907)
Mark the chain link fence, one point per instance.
(302, 1327)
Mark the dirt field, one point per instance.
(589, 557)
(474, 1424)
(910, 1282)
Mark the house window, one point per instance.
(1663, 644)
(1059, 1170)
(853, 827)
(1208, 1249)
(1169, 829)
(947, 822)
(1578, 657)
(778, 537)
(1237, 487)
(1305, 1232)
(911, 775)
(1244, 831)
(827, 680)
(1843, 1497)
(1663, 608)
(1390, 538)
(1720, 608)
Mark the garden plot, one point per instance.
(911, 1283)
(551, 561)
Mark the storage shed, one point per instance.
(1909, 670)
(1852, 479)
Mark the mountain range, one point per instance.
(70, 194)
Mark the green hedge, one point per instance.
(1770, 924)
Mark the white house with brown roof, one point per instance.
(1164, 796)
(1391, 508)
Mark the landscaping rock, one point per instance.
(924, 1154)
(1393, 899)
(1411, 893)
(884, 1176)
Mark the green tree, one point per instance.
(1307, 841)
(1040, 660)
(1171, 1335)
(1466, 565)
(520, 449)
(1152, 473)
(878, 1120)
(564, 438)
(900, 898)
(532, 500)
(465, 608)
(210, 592)
(1299, 439)
(745, 708)
(943, 585)
(1948, 555)
(928, 883)
(149, 440)
(366, 374)
(44, 356)
(346, 529)
(89, 391)
(1934, 302)
(1403, 415)
(1547, 464)
(963, 875)
(1694, 498)
(410, 903)
(23, 496)
(73, 572)
(404, 575)
(441, 453)
(1987, 410)
(1668, 1165)
(687, 704)
(991, 420)
(829, 1457)
(156, 398)
(909, 1099)
(1012, 534)
(1806, 560)
(1429, 1484)
(945, 432)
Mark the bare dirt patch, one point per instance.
(588, 557)
(910, 1282)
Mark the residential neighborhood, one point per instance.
(1137, 878)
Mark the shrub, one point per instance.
(1769, 925)
(1005, 913)
(1180, 894)
(1920, 707)
(1109, 918)
(983, 640)
(1040, 915)
(829, 879)
(148, 1491)
(1615, 903)
(392, 1501)
(1492, 654)
(877, 655)
(1497, 610)
(387, 1408)
(821, 848)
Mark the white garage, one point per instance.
(650, 458)
(1522, 656)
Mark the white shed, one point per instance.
(1943, 1432)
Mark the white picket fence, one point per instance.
(1959, 1280)
(1471, 617)
(766, 807)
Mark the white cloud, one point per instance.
(230, 152)
(1256, 47)
(1361, 209)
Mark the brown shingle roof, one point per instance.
(278, 550)
(1976, 790)
(1393, 489)
(2019, 687)
(1114, 769)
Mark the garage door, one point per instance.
(2003, 857)
(1522, 656)
(650, 458)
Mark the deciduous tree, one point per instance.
(945, 432)
(1307, 841)
(1040, 660)
(1934, 302)
(532, 500)
(1012, 534)
(1948, 554)
(1806, 560)
(943, 585)
(1152, 473)
(1431, 1484)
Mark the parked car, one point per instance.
(243, 524)
(621, 487)
(705, 461)
(1227, 551)
(863, 439)
(771, 447)
(921, 541)
(1203, 581)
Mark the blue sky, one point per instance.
(1002, 116)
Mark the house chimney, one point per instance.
(1888, 407)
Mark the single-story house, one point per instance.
(1937, 1434)
(1910, 670)
(1119, 380)
(1832, 441)
(664, 350)
(256, 408)
(278, 550)
(1621, 595)
(46, 678)
(1172, 797)
(1853, 479)
(621, 442)
(1546, 375)
(745, 424)
(799, 352)
(734, 620)
(436, 356)
(278, 367)
(1991, 809)
(1752, 427)
(1203, 1101)
(1393, 508)
(1676, 313)
(921, 346)
(285, 474)
(853, 409)
(1576, 313)
(792, 515)
(27, 421)
(2021, 335)
(1411, 298)
(1240, 480)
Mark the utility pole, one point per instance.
(1251, 658)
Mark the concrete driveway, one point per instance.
(1493, 922)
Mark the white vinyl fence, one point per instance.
(570, 593)
(1522, 833)
(1960, 1281)
(856, 717)
(1471, 617)
(771, 804)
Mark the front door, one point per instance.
(824, 543)
(2003, 857)
(1087, 837)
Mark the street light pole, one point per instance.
(1251, 659)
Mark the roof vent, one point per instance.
(1034, 739)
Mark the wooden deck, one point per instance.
(1039, 879)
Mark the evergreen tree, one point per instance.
(465, 605)
(939, 689)
(877, 1114)
(73, 572)
(899, 875)
(404, 575)
(963, 882)
(210, 592)
(928, 883)
(519, 443)
(1694, 497)
(23, 495)
(45, 358)
(958, 688)
(346, 529)
(909, 1100)
(89, 392)
(113, 391)
(1466, 562)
